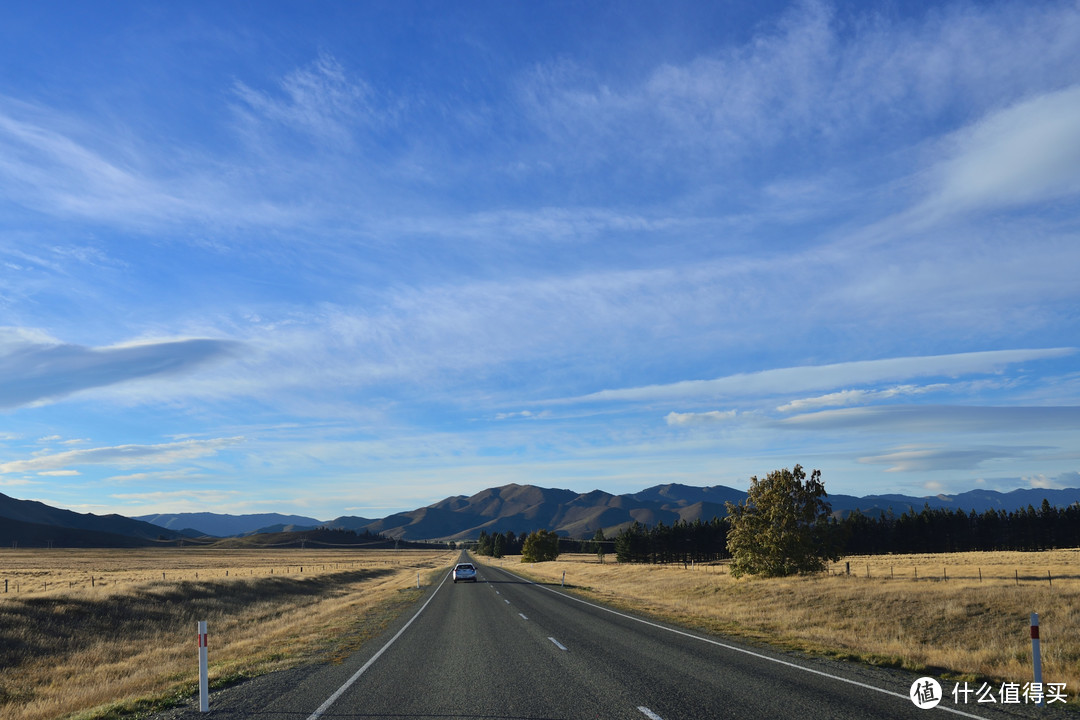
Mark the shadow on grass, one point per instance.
(37, 627)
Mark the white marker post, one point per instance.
(204, 684)
(1036, 656)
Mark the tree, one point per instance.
(540, 546)
(598, 541)
(783, 527)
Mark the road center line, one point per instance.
(649, 713)
(356, 676)
(557, 643)
(523, 616)
(733, 648)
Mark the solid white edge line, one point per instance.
(649, 713)
(356, 676)
(557, 643)
(737, 649)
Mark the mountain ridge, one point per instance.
(509, 508)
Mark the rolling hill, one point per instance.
(35, 524)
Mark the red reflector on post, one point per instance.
(1034, 632)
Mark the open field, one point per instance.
(75, 646)
(962, 627)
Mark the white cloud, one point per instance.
(33, 370)
(1027, 153)
(698, 418)
(59, 473)
(319, 100)
(857, 397)
(121, 455)
(932, 458)
(821, 377)
(830, 76)
(1064, 480)
(526, 414)
(938, 418)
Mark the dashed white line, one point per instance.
(523, 616)
(557, 643)
(649, 713)
(727, 646)
(506, 601)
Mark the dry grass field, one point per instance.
(125, 640)
(96, 633)
(961, 627)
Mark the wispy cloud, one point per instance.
(858, 397)
(821, 377)
(121, 456)
(33, 369)
(935, 458)
(938, 418)
(808, 76)
(319, 100)
(699, 418)
(1027, 153)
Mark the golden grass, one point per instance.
(127, 640)
(960, 627)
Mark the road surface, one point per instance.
(508, 649)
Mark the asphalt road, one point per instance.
(507, 649)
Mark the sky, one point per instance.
(346, 258)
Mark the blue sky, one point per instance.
(352, 258)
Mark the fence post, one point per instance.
(204, 689)
(1036, 656)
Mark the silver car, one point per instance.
(465, 572)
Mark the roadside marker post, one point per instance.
(204, 689)
(1036, 655)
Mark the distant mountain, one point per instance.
(978, 500)
(523, 508)
(29, 512)
(18, 533)
(347, 522)
(220, 525)
(516, 508)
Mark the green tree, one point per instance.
(483, 543)
(783, 527)
(598, 541)
(540, 546)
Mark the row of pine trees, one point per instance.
(931, 530)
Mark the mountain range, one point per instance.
(517, 508)
(28, 523)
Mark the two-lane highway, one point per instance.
(508, 648)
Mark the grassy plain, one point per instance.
(960, 627)
(96, 633)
